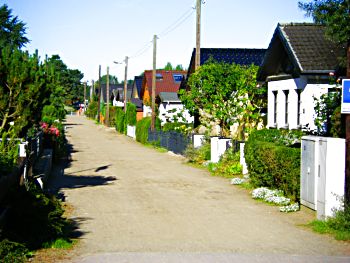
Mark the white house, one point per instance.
(171, 109)
(298, 67)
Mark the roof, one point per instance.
(167, 82)
(112, 91)
(138, 103)
(138, 83)
(240, 56)
(119, 92)
(304, 47)
(169, 97)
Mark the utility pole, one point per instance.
(125, 81)
(99, 93)
(92, 90)
(154, 82)
(198, 35)
(107, 97)
(84, 97)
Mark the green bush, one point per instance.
(198, 155)
(229, 165)
(130, 117)
(91, 111)
(12, 252)
(272, 164)
(112, 115)
(8, 152)
(142, 127)
(53, 113)
(120, 121)
(184, 128)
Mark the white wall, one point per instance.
(165, 115)
(308, 93)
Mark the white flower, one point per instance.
(290, 208)
(237, 181)
(12, 123)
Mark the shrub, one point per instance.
(184, 128)
(120, 121)
(12, 251)
(130, 117)
(8, 152)
(112, 115)
(142, 127)
(198, 155)
(272, 164)
(91, 111)
(229, 165)
(50, 111)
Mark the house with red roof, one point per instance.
(166, 81)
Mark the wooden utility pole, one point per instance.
(92, 90)
(84, 97)
(99, 94)
(107, 98)
(125, 82)
(198, 35)
(154, 82)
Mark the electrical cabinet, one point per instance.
(322, 174)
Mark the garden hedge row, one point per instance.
(120, 121)
(273, 164)
(142, 127)
(130, 117)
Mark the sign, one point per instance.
(345, 101)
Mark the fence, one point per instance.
(173, 141)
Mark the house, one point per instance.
(172, 110)
(118, 94)
(240, 56)
(166, 81)
(137, 86)
(297, 69)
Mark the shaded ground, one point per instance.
(134, 204)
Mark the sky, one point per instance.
(89, 33)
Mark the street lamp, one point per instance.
(125, 79)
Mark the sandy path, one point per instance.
(133, 200)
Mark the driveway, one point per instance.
(135, 204)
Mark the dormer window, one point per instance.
(159, 77)
(177, 77)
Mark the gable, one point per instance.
(299, 49)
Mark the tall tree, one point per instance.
(225, 94)
(335, 15)
(168, 66)
(12, 30)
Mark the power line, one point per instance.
(183, 18)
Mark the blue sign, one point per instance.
(345, 102)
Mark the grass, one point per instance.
(60, 243)
(322, 227)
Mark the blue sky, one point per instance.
(89, 33)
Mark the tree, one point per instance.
(12, 30)
(334, 14)
(168, 66)
(23, 89)
(179, 67)
(226, 94)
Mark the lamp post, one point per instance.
(125, 79)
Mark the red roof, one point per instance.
(165, 84)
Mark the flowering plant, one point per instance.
(50, 129)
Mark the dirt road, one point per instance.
(135, 204)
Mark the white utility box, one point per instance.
(322, 174)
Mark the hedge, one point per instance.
(120, 121)
(112, 115)
(272, 164)
(130, 117)
(142, 127)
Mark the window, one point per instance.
(274, 107)
(298, 91)
(159, 77)
(177, 77)
(286, 93)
